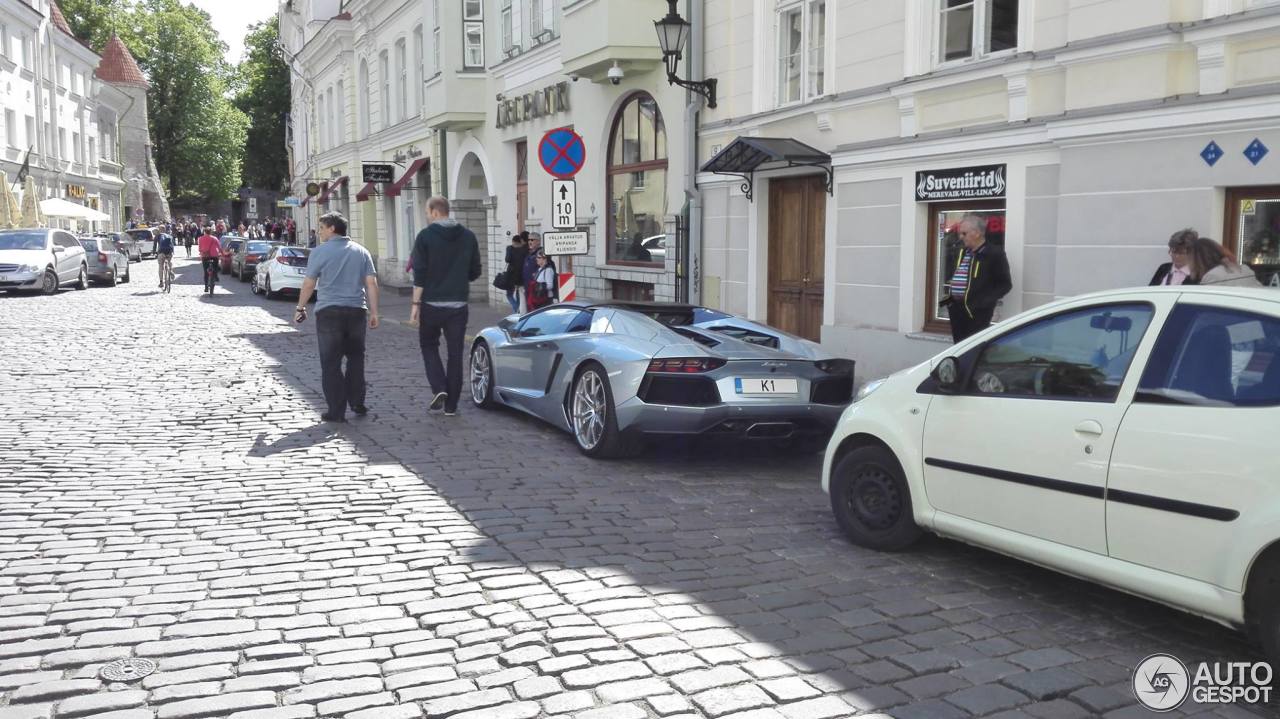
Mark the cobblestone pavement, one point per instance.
(167, 493)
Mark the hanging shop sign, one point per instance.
(532, 105)
(379, 173)
(960, 183)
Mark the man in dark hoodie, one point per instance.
(979, 279)
(446, 259)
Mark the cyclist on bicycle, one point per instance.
(210, 249)
(164, 253)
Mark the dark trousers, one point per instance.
(963, 326)
(341, 332)
(452, 321)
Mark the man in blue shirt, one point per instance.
(348, 303)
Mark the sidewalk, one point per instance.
(394, 310)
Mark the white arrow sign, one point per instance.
(564, 199)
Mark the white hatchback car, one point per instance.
(1126, 437)
(283, 271)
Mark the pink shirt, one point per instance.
(1176, 276)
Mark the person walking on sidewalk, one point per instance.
(517, 251)
(446, 259)
(348, 304)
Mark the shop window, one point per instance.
(801, 51)
(632, 291)
(945, 248)
(1253, 230)
(637, 181)
(973, 28)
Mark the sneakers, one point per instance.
(437, 402)
(360, 409)
(451, 413)
(332, 418)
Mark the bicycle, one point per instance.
(210, 275)
(166, 272)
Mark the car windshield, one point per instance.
(296, 256)
(22, 240)
(259, 246)
(231, 244)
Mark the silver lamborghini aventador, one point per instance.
(613, 373)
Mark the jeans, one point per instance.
(453, 322)
(341, 332)
(963, 326)
(513, 298)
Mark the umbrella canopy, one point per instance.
(7, 219)
(56, 207)
(30, 207)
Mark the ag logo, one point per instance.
(1161, 682)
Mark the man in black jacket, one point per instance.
(978, 281)
(446, 259)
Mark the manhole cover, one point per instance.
(127, 670)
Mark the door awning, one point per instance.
(746, 155)
(330, 189)
(369, 190)
(407, 179)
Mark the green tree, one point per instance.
(94, 20)
(263, 96)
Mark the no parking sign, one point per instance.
(562, 153)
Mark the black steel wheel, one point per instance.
(871, 500)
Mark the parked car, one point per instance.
(283, 271)
(145, 237)
(1121, 436)
(230, 244)
(41, 259)
(244, 261)
(657, 247)
(105, 263)
(123, 244)
(613, 373)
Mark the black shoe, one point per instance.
(360, 409)
(332, 418)
(437, 402)
(451, 412)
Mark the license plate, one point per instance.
(754, 385)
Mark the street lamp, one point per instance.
(673, 34)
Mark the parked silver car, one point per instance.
(106, 264)
(41, 259)
(615, 372)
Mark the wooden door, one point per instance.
(522, 184)
(797, 250)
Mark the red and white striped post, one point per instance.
(567, 291)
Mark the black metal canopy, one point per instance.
(745, 155)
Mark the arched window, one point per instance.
(384, 71)
(363, 91)
(636, 177)
(402, 83)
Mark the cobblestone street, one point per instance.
(169, 493)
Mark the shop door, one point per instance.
(522, 184)
(1253, 230)
(797, 228)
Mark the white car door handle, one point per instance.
(1089, 427)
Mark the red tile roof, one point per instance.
(59, 20)
(118, 66)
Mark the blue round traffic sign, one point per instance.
(562, 153)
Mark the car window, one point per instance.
(1077, 355)
(581, 322)
(548, 322)
(63, 240)
(258, 246)
(1214, 356)
(89, 245)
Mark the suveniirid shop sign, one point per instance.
(960, 183)
(532, 105)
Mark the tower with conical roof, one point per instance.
(143, 187)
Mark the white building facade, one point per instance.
(57, 113)
(1084, 132)
(457, 95)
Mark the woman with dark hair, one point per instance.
(1177, 271)
(1211, 264)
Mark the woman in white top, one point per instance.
(544, 288)
(1211, 265)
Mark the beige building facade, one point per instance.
(1084, 131)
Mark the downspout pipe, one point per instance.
(691, 261)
